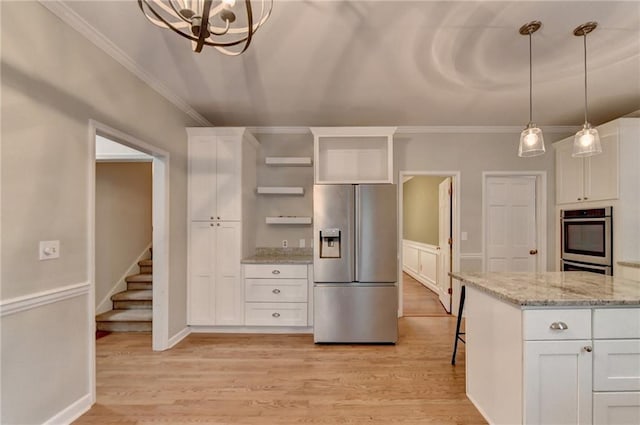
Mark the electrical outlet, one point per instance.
(301, 243)
(285, 243)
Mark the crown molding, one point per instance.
(429, 129)
(279, 130)
(480, 129)
(75, 21)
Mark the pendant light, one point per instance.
(587, 140)
(531, 140)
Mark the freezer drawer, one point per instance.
(355, 313)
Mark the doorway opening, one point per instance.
(159, 238)
(429, 223)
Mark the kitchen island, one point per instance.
(553, 348)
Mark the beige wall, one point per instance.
(472, 154)
(53, 82)
(269, 235)
(420, 209)
(123, 220)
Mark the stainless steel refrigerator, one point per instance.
(355, 264)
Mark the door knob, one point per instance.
(588, 349)
(533, 252)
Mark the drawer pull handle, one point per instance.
(275, 271)
(558, 326)
(276, 291)
(588, 349)
(276, 314)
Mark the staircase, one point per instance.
(132, 309)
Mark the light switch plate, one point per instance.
(49, 250)
(301, 243)
(463, 236)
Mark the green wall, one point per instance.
(420, 209)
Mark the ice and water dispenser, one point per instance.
(330, 243)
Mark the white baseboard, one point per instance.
(426, 283)
(105, 304)
(71, 412)
(178, 337)
(252, 329)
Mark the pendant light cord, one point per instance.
(585, 79)
(530, 83)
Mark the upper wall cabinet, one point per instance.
(353, 154)
(215, 173)
(588, 179)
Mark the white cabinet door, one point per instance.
(616, 408)
(601, 172)
(202, 178)
(569, 175)
(229, 292)
(229, 178)
(616, 365)
(557, 382)
(202, 270)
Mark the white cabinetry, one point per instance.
(214, 274)
(353, 154)
(276, 294)
(616, 366)
(557, 367)
(221, 200)
(587, 179)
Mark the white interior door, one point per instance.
(444, 245)
(510, 224)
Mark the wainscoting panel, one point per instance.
(420, 261)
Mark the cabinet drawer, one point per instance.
(276, 290)
(279, 271)
(614, 323)
(275, 314)
(616, 365)
(616, 408)
(540, 324)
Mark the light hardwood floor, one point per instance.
(418, 300)
(283, 379)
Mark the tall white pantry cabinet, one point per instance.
(221, 199)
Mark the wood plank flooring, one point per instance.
(283, 379)
(419, 300)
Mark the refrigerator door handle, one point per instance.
(358, 240)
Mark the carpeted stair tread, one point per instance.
(125, 316)
(133, 295)
(140, 278)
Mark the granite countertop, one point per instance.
(280, 256)
(555, 288)
(635, 264)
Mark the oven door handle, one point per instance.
(586, 266)
(580, 219)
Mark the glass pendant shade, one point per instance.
(531, 141)
(586, 142)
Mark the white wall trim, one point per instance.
(541, 213)
(471, 255)
(112, 157)
(425, 280)
(39, 299)
(476, 129)
(75, 21)
(178, 337)
(71, 412)
(430, 129)
(121, 284)
(420, 245)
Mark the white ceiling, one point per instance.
(406, 63)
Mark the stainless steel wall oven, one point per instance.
(587, 239)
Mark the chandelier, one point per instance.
(221, 24)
